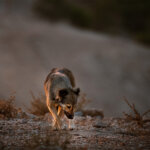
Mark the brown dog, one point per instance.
(61, 96)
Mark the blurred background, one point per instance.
(106, 44)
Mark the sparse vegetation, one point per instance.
(39, 108)
(7, 108)
(30, 133)
(136, 116)
(81, 106)
(134, 123)
(82, 102)
(38, 105)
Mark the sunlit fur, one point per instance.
(61, 96)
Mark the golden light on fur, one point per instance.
(61, 95)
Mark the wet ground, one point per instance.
(33, 132)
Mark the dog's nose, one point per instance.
(70, 116)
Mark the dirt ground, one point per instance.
(32, 132)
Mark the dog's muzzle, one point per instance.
(69, 116)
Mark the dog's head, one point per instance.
(68, 100)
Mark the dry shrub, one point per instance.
(136, 116)
(82, 102)
(39, 108)
(7, 108)
(38, 105)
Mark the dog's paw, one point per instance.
(71, 125)
(64, 127)
(54, 128)
(71, 128)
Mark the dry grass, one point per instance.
(7, 108)
(38, 105)
(138, 118)
(82, 102)
(39, 108)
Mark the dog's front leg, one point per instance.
(71, 124)
(60, 113)
(57, 122)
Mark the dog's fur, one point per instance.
(61, 95)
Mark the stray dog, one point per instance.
(61, 96)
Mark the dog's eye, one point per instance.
(69, 107)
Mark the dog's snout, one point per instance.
(69, 116)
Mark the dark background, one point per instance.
(104, 43)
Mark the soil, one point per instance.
(32, 132)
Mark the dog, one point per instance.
(61, 96)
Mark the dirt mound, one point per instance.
(106, 68)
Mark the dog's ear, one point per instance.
(63, 93)
(77, 91)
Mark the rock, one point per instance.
(100, 125)
(78, 113)
(31, 116)
(93, 112)
(48, 117)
